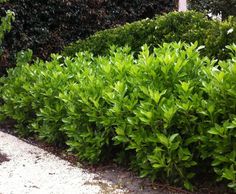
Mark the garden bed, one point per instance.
(34, 169)
(121, 179)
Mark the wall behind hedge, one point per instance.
(46, 26)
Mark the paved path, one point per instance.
(35, 171)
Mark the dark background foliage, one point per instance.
(224, 7)
(46, 26)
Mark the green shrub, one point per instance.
(183, 26)
(221, 108)
(169, 114)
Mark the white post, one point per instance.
(182, 5)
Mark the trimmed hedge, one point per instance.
(169, 114)
(184, 26)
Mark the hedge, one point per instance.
(169, 114)
(175, 26)
(47, 26)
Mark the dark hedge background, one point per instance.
(223, 7)
(46, 26)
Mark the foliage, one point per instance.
(5, 25)
(166, 113)
(46, 26)
(184, 26)
(224, 7)
(221, 90)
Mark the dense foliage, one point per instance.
(223, 7)
(46, 26)
(169, 114)
(189, 27)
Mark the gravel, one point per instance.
(33, 170)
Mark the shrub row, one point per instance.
(185, 26)
(46, 26)
(169, 114)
